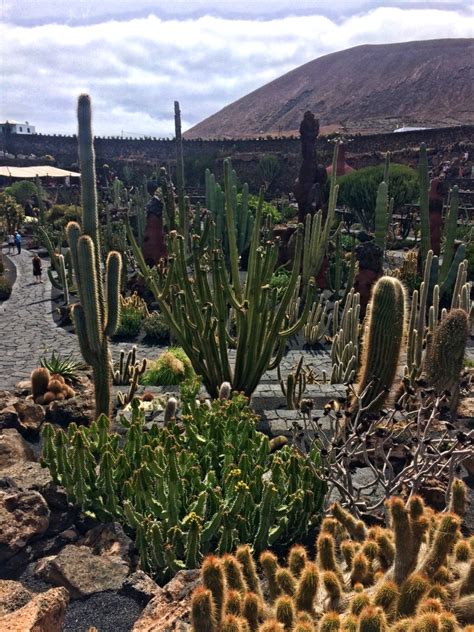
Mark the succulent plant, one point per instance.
(403, 577)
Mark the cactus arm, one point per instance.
(450, 233)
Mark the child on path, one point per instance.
(37, 269)
(18, 242)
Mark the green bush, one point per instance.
(11, 213)
(5, 288)
(22, 191)
(268, 209)
(156, 329)
(131, 321)
(183, 491)
(61, 214)
(358, 190)
(171, 368)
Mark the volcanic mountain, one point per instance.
(369, 88)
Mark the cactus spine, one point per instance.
(383, 339)
(97, 314)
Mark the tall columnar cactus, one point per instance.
(60, 264)
(218, 201)
(381, 215)
(345, 344)
(97, 314)
(382, 343)
(450, 227)
(183, 216)
(445, 356)
(424, 202)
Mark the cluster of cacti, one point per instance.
(294, 386)
(136, 303)
(61, 264)
(343, 269)
(47, 387)
(382, 344)
(97, 315)
(424, 181)
(319, 320)
(415, 576)
(216, 202)
(425, 317)
(206, 484)
(197, 304)
(345, 343)
(127, 371)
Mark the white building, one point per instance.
(17, 128)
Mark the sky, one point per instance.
(135, 57)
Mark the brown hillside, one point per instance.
(370, 88)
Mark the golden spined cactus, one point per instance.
(416, 573)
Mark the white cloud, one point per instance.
(135, 68)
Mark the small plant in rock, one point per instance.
(416, 575)
(156, 328)
(65, 365)
(172, 367)
(209, 483)
(5, 288)
(49, 387)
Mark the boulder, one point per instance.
(79, 409)
(12, 596)
(13, 449)
(43, 613)
(109, 540)
(31, 476)
(171, 605)
(23, 515)
(81, 572)
(23, 388)
(31, 417)
(9, 418)
(140, 587)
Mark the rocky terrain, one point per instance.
(370, 88)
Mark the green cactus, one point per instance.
(185, 494)
(383, 340)
(444, 360)
(345, 343)
(97, 314)
(381, 215)
(450, 227)
(394, 597)
(424, 202)
(182, 214)
(199, 314)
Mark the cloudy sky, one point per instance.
(135, 57)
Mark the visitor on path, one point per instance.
(18, 242)
(11, 243)
(37, 269)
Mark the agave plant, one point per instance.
(65, 365)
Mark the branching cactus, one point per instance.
(382, 343)
(424, 203)
(365, 579)
(97, 315)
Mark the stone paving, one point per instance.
(28, 330)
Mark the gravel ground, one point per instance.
(107, 611)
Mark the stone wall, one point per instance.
(150, 153)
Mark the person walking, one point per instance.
(11, 243)
(37, 269)
(18, 242)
